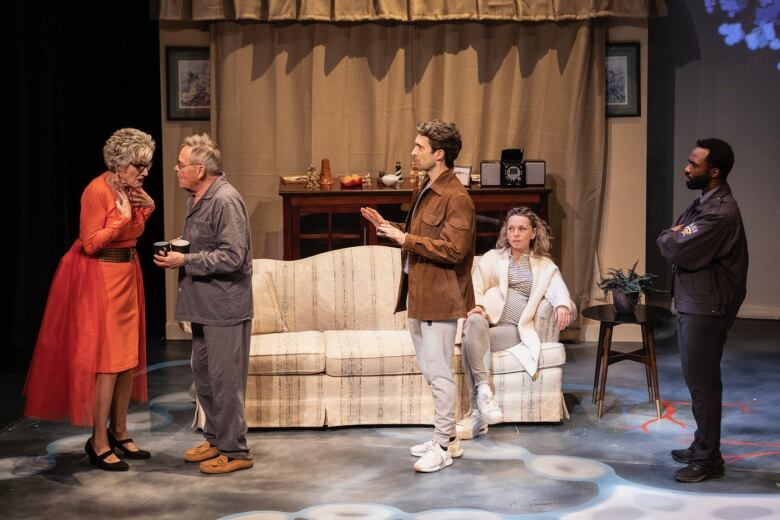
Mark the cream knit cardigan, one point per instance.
(491, 283)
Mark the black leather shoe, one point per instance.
(685, 456)
(100, 460)
(138, 454)
(696, 472)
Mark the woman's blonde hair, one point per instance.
(540, 245)
(126, 146)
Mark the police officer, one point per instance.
(709, 253)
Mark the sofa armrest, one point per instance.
(544, 322)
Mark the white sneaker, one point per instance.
(434, 459)
(472, 425)
(488, 407)
(454, 449)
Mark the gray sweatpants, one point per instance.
(434, 344)
(479, 340)
(220, 362)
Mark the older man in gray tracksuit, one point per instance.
(215, 295)
(708, 248)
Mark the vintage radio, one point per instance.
(512, 168)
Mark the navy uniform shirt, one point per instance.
(710, 256)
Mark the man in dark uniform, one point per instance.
(709, 252)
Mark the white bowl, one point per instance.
(389, 180)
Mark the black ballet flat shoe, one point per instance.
(100, 460)
(137, 455)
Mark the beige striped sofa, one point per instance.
(347, 359)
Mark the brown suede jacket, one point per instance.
(440, 249)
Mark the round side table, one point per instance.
(646, 316)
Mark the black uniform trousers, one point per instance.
(701, 340)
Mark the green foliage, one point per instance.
(631, 283)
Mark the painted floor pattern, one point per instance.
(617, 467)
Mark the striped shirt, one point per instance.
(520, 283)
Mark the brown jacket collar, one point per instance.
(441, 181)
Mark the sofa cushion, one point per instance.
(287, 353)
(391, 352)
(370, 353)
(553, 355)
(267, 315)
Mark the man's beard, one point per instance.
(696, 183)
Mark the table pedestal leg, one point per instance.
(607, 343)
(649, 344)
(597, 368)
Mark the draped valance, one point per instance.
(405, 10)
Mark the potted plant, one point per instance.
(626, 288)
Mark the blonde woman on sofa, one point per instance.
(509, 281)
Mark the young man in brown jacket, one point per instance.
(437, 243)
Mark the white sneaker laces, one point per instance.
(489, 404)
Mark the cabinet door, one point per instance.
(324, 228)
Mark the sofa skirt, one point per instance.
(317, 400)
(285, 401)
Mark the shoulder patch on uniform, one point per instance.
(688, 230)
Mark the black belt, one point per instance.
(116, 254)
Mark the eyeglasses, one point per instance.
(181, 165)
(142, 166)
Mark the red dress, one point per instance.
(94, 319)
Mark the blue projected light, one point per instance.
(759, 17)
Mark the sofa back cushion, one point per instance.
(353, 288)
(267, 314)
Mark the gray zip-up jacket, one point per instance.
(710, 256)
(215, 284)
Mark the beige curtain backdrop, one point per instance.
(286, 96)
(405, 10)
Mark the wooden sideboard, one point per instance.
(324, 219)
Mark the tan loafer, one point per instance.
(201, 452)
(224, 465)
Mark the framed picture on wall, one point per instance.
(188, 77)
(622, 80)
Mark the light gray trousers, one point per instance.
(479, 340)
(220, 363)
(434, 345)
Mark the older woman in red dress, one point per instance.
(92, 338)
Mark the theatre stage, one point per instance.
(617, 467)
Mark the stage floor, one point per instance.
(614, 468)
